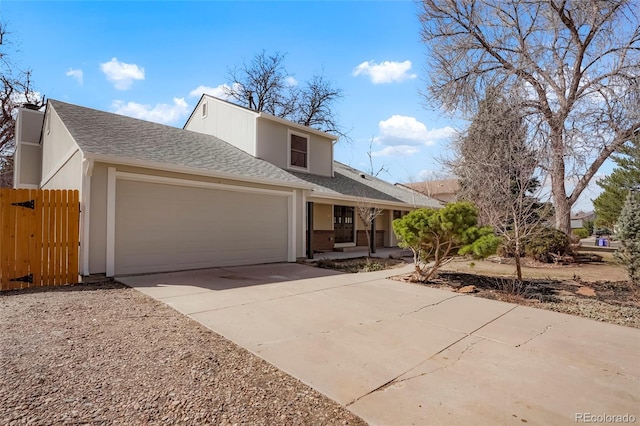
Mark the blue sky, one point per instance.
(152, 59)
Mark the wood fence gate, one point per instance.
(39, 238)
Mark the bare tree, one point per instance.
(264, 84)
(373, 170)
(15, 91)
(367, 212)
(315, 105)
(575, 64)
(497, 173)
(261, 84)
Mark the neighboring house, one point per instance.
(578, 220)
(444, 190)
(233, 187)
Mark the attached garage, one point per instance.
(175, 225)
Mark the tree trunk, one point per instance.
(518, 266)
(558, 189)
(368, 241)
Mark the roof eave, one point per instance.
(307, 129)
(191, 171)
(355, 199)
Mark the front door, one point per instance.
(343, 224)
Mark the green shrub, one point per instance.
(436, 236)
(629, 234)
(545, 242)
(581, 232)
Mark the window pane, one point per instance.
(298, 143)
(298, 159)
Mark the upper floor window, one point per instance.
(298, 150)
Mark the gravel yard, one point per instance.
(107, 354)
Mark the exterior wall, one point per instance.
(382, 230)
(98, 220)
(323, 236)
(361, 238)
(28, 155)
(230, 123)
(69, 176)
(323, 240)
(58, 147)
(272, 146)
(98, 211)
(28, 173)
(322, 217)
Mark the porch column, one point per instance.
(309, 230)
(373, 235)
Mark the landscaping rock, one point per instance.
(586, 291)
(107, 354)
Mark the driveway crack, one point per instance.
(429, 305)
(536, 336)
(396, 379)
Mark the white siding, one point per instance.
(69, 176)
(272, 145)
(228, 122)
(58, 146)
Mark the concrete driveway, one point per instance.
(402, 354)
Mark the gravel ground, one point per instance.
(107, 354)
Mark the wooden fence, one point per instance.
(39, 238)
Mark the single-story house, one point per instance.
(232, 187)
(578, 220)
(443, 190)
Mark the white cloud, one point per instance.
(77, 74)
(159, 113)
(426, 175)
(218, 92)
(400, 130)
(291, 81)
(398, 150)
(19, 98)
(221, 91)
(122, 74)
(385, 72)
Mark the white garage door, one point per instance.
(166, 228)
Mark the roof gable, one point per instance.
(101, 134)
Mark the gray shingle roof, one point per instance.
(349, 182)
(104, 133)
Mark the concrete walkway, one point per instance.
(403, 354)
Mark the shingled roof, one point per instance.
(355, 183)
(116, 136)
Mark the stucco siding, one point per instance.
(227, 122)
(322, 217)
